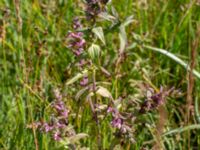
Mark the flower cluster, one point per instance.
(155, 100)
(76, 24)
(93, 8)
(76, 42)
(59, 120)
(118, 121)
(84, 81)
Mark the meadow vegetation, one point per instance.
(98, 74)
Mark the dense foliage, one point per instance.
(99, 74)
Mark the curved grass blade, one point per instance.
(175, 58)
(182, 129)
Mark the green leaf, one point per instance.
(98, 31)
(128, 21)
(94, 51)
(107, 16)
(122, 33)
(77, 137)
(182, 129)
(114, 12)
(173, 57)
(123, 39)
(80, 93)
(103, 92)
(77, 77)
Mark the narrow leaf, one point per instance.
(80, 93)
(98, 31)
(128, 21)
(122, 38)
(107, 16)
(173, 57)
(77, 77)
(182, 129)
(104, 92)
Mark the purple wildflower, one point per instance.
(59, 119)
(110, 109)
(57, 136)
(76, 23)
(124, 129)
(82, 62)
(59, 105)
(65, 113)
(76, 42)
(117, 123)
(84, 81)
(155, 100)
(75, 35)
(81, 43)
(47, 128)
(114, 111)
(63, 121)
(78, 52)
(92, 9)
(60, 125)
(146, 106)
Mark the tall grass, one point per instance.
(34, 60)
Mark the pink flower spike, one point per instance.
(110, 109)
(84, 81)
(65, 113)
(47, 127)
(117, 123)
(57, 136)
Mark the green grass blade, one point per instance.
(173, 57)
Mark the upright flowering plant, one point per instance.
(97, 93)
